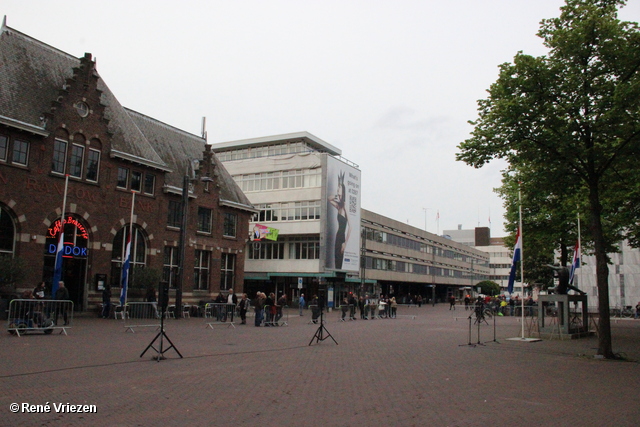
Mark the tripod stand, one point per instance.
(479, 313)
(160, 351)
(319, 335)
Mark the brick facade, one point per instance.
(64, 129)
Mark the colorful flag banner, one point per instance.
(125, 271)
(575, 264)
(57, 270)
(517, 253)
(263, 232)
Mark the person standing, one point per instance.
(259, 308)
(62, 294)
(232, 302)
(282, 301)
(301, 303)
(452, 302)
(243, 306)
(361, 306)
(394, 307)
(38, 292)
(352, 307)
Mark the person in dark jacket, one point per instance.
(62, 294)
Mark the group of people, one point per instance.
(268, 309)
(37, 310)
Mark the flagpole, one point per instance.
(521, 258)
(57, 269)
(126, 278)
(579, 248)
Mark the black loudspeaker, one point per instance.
(163, 295)
(321, 300)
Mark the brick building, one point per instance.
(58, 118)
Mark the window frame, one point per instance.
(73, 156)
(174, 214)
(136, 179)
(4, 148)
(205, 222)
(202, 270)
(227, 272)
(146, 186)
(18, 143)
(90, 162)
(59, 158)
(126, 178)
(230, 225)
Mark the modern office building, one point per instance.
(306, 191)
(405, 260)
(73, 159)
(624, 277)
(311, 196)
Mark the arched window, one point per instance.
(7, 233)
(138, 253)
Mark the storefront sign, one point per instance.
(69, 250)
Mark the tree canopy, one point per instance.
(568, 123)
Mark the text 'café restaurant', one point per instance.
(61, 129)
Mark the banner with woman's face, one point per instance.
(342, 238)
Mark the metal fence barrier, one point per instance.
(30, 315)
(140, 315)
(275, 315)
(220, 314)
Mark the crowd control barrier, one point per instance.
(37, 315)
(220, 314)
(276, 315)
(141, 315)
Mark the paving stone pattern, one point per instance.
(416, 370)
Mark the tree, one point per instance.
(572, 119)
(487, 287)
(12, 270)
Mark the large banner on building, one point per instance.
(342, 239)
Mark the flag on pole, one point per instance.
(517, 254)
(125, 271)
(57, 269)
(124, 281)
(575, 264)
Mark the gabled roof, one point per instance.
(177, 148)
(32, 74)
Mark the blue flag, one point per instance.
(125, 272)
(517, 254)
(57, 271)
(575, 264)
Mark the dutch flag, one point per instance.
(125, 272)
(57, 272)
(575, 264)
(517, 255)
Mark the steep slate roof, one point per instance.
(177, 147)
(32, 74)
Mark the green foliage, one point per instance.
(568, 124)
(487, 287)
(12, 270)
(145, 277)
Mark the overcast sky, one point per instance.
(390, 83)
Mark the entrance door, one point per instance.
(73, 276)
